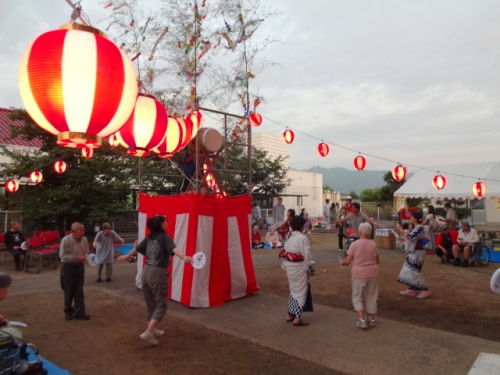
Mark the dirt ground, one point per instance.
(462, 303)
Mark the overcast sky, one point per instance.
(415, 82)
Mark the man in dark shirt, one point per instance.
(13, 240)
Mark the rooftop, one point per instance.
(5, 125)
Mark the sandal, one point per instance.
(301, 324)
(408, 292)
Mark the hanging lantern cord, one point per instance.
(78, 13)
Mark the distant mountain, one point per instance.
(344, 180)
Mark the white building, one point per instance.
(306, 189)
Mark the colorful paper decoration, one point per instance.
(87, 152)
(12, 186)
(359, 162)
(479, 189)
(255, 119)
(60, 166)
(288, 136)
(323, 149)
(36, 177)
(399, 173)
(77, 84)
(146, 127)
(439, 182)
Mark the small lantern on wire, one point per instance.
(399, 173)
(255, 119)
(12, 186)
(479, 189)
(87, 152)
(439, 182)
(359, 162)
(323, 149)
(36, 177)
(60, 166)
(288, 136)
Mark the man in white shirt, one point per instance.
(466, 239)
(326, 214)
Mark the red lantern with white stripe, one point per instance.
(12, 186)
(288, 136)
(255, 119)
(60, 166)
(36, 177)
(172, 141)
(439, 182)
(195, 118)
(399, 173)
(479, 189)
(87, 152)
(146, 127)
(323, 149)
(77, 84)
(186, 126)
(359, 162)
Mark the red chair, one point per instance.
(37, 252)
(3, 248)
(51, 239)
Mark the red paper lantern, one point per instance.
(479, 189)
(288, 136)
(60, 166)
(439, 182)
(186, 126)
(359, 162)
(113, 140)
(255, 119)
(195, 118)
(36, 177)
(87, 152)
(12, 186)
(146, 127)
(77, 84)
(172, 141)
(323, 149)
(399, 173)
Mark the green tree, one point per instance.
(354, 195)
(370, 195)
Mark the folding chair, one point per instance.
(37, 253)
(51, 239)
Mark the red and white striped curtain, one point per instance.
(220, 228)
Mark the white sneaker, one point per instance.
(361, 323)
(149, 337)
(371, 322)
(158, 332)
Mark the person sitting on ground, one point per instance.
(445, 240)
(308, 227)
(365, 259)
(5, 283)
(13, 241)
(466, 239)
(355, 219)
(256, 238)
(270, 220)
(272, 238)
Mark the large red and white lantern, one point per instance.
(172, 141)
(439, 182)
(359, 162)
(323, 149)
(195, 118)
(146, 127)
(255, 119)
(186, 126)
(60, 166)
(399, 173)
(36, 177)
(12, 186)
(288, 136)
(479, 189)
(77, 84)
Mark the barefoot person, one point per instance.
(363, 254)
(414, 246)
(296, 260)
(158, 248)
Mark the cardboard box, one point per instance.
(384, 238)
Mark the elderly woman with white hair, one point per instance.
(363, 254)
